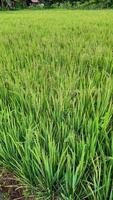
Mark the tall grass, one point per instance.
(56, 102)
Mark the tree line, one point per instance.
(11, 4)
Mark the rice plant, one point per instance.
(56, 102)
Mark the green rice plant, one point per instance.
(56, 102)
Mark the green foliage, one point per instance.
(56, 102)
(69, 4)
(64, 5)
(93, 4)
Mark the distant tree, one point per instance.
(22, 3)
(1, 3)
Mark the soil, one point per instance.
(10, 188)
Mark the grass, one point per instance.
(56, 102)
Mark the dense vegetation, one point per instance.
(91, 4)
(56, 102)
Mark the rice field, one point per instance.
(56, 102)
